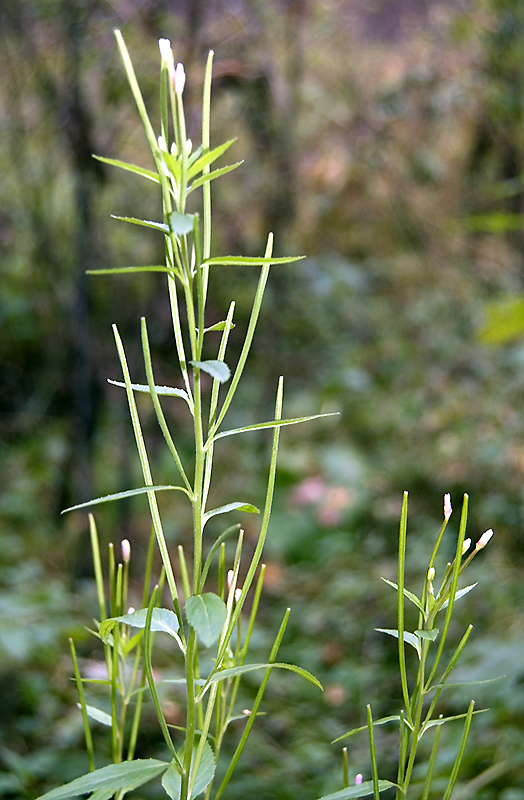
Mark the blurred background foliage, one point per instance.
(383, 139)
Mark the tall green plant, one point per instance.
(201, 622)
(419, 715)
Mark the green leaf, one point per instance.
(146, 173)
(163, 620)
(248, 261)
(217, 173)
(169, 391)
(217, 369)
(181, 224)
(363, 790)
(275, 423)
(430, 635)
(410, 638)
(206, 772)
(99, 716)
(443, 720)
(157, 226)
(382, 721)
(206, 613)
(460, 593)
(125, 270)
(414, 599)
(504, 320)
(173, 165)
(225, 674)
(121, 495)
(247, 507)
(208, 158)
(114, 778)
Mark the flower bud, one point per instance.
(238, 594)
(131, 610)
(126, 550)
(230, 576)
(466, 545)
(359, 779)
(179, 78)
(246, 712)
(484, 539)
(166, 54)
(162, 144)
(447, 506)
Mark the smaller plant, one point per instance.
(420, 706)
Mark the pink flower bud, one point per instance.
(179, 78)
(447, 506)
(358, 779)
(126, 550)
(246, 712)
(484, 539)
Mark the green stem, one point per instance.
(82, 700)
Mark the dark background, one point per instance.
(385, 141)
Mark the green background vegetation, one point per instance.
(386, 141)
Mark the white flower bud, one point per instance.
(189, 146)
(484, 539)
(447, 506)
(166, 53)
(162, 144)
(126, 550)
(179, 78)
(466, 545)
(238, 594)
(246, 712)
(230, 576)
(130, 610)
(431, 573)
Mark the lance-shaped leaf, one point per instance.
(206, 772)
(208, 158)
(443, 720)
(212, 175)
(98, 715)
(146, 223)
(429, 636)
(127, 270)
(460, 593)
(114, 778)
(362, 790)
(206, 613)
(217, 369)
(247, 507)
(381, 721)
(413, 597)
(169, 391)
(181, 224)
(146, 173)
(163, 620)
(249, 261)
(410, 638)
(274, 423)
(219, 326)
(121, 495)
(225, 674)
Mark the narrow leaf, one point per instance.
(381, 721)
(158, 226)
(121, 495)
(443, 720)
(247, 507)
(181, 224)
(208, 158)
(125, 270)
(460, 593)
(275, 423)
(218, 370)
(414, 599)
(116, 777)
(99, 716)
(219, 326)
(248, 261)
(225, 674)
(169, 391)
(206, 613)
(430, 635)
(206, 772)
(410, 638)
(363, 790)
(146, 173)
(212, 175)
